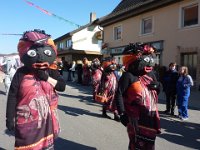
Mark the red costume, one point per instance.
(108, 87)
(86, 72)
(96, 75)
(137, 97)
(32, 99)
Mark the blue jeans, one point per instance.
(183, 105)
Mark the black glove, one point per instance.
(124, 119)
(42, 74)
(154, 85)
(10, 125)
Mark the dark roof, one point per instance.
(73, 51)
(128, 4)
(129, 8)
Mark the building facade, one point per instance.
(83, 42)
(173, 27)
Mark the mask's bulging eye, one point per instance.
(47, 52)
(147, 59)
(152, 60)
(31, 53)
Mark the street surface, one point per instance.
(83, 128)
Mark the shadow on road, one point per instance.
(182, 133)
(77, 111)
(86, 99)
(62, 144)
(82, 88)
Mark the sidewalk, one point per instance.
(180, 134)
(194, 100)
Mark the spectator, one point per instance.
(79, 69)
(72, 69)
(69, 78)
(183, 92)
(170, 79)
(65, 70)
(9, 70)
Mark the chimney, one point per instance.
(92, 16)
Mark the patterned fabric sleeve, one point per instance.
(123, 85)
(13, 93)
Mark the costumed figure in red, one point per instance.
(96, 75)
(32, 99)
(108, 87)
(86, 72)
(137, 97)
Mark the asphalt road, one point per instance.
(83, 128)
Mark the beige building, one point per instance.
(172, 26)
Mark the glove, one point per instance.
(153, 85)
(42, 75)
(10, 125)
(124, 119)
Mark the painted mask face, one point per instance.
(113, 67)
(36, 49)
(39, 56)
(142, 65)
(95, 64)
(147, 63)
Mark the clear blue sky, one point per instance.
(17, 16)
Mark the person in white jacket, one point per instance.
(72, 69)
(9, 70)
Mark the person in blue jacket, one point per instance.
(183, 92)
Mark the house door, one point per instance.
(190, 60)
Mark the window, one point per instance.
(157, 58)
(60, 45)
(117, 33)
(146, 25)
(190, 15)
(68, 43)
(190, 60)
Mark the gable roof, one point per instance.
(129, 8)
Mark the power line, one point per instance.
(11, 34)
(51, 14)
